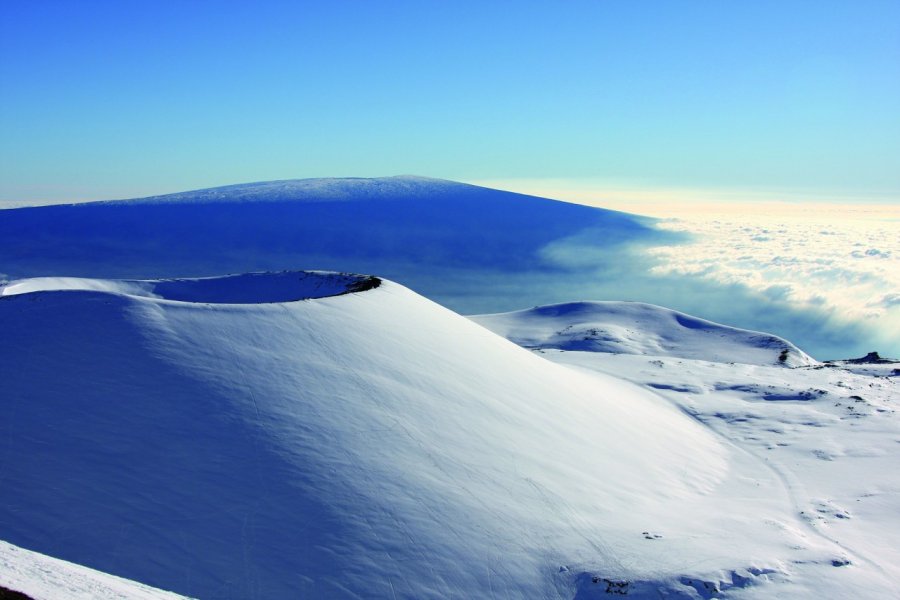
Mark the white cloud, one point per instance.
(841, 260)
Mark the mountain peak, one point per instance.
(319, 188)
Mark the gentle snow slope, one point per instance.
(638, 328)
(370, 444)
(827, 431)
(45, 578)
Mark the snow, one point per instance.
(638, 328)
(375, 444)
(245, 288)
(46, 578)
(828, 432)
(315, 189)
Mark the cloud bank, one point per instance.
(839, 261)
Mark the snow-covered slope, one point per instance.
(828, 431)
(638, 328)
(45, 578)
(369, 444)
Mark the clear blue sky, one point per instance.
(124, 98)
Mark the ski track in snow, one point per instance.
(793, 490)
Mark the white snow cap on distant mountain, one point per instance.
(638, 328)
(323, 188)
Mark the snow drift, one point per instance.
(364, 444)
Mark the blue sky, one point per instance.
(120, 99)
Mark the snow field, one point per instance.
(827, 433)
(375, 444)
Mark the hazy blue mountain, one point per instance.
(375, 225)
(422, 232)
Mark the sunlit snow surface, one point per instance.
(637, 328)
(827, 432)
(45, 578)
(375, 444)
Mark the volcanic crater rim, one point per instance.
(244, 288)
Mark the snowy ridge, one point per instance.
(371, 444)
(246, 288)
(45, 578)
(639, 328)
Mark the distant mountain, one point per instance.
(445, 239)
(638, 328)
(223, 439)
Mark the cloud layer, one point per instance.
(841, 261)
